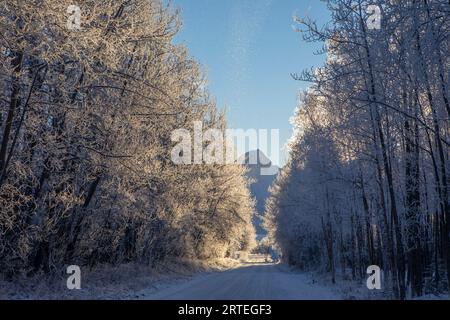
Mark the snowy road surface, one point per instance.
(253, 282)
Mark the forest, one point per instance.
(367, 182)
(86, 117)
(91, 96)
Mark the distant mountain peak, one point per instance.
(258, 162)
(256, 158)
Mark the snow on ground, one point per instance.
(226, 280)
(259, 281)
(433, 297)
(349, 289)
(251, 282)
(109, 283)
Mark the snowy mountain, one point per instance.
(261, 184)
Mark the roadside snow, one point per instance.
(251, 282)
(225, 280)
(107, 282)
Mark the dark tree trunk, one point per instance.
(13, 106)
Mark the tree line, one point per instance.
(86, 118)
(368, 178)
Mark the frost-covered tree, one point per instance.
(370, 157)
(86, 117)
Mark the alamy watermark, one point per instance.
(74, 20)
(74, 280)
(217, 146)
(374, 20)
(374, 280)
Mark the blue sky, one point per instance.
(248, 49)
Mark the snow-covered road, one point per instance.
(253, 282)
